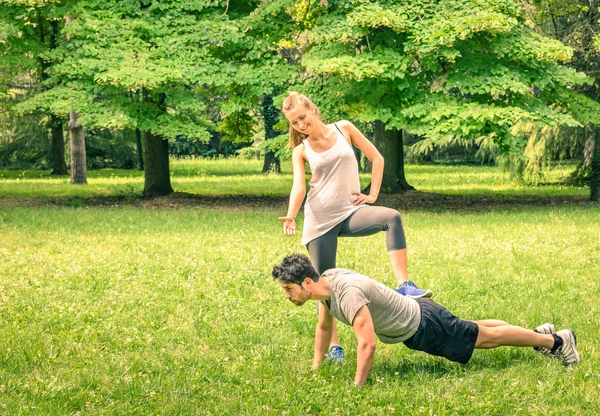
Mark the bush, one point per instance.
(110, 149)
(251, 152)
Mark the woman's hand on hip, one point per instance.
(361, 199)
(289, 225)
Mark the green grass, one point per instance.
(130, 310)
(486, 180)
(235, 177)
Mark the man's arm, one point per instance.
(365, 335)
(322, 335)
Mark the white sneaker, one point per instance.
(567, 352)
(547, 328)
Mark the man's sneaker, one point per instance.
(567, 352)
(410, 290)
(336, 354)
(547, 328)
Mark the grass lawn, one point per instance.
(243, 177)
(147, 311)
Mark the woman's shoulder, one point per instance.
(298, 151)
(343, 123)
(345, 126)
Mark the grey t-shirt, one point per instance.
(395, 317)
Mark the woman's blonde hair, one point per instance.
(291, 101)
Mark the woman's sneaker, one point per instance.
(547, 328)
(336, 354)
(568, 351)
(410, 290)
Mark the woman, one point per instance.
(335, 207)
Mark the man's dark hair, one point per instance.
(294, 269)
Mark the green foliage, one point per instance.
(24, 142)
(187, 71)
(279, 145)
(237, 127)
(482, 149)
(22, 24)
(544, 145)
(253, 152)
(446, 71)
(110, 149)
(575, 23)
(182, 147)
(152, 67)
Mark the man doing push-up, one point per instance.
(373, 309)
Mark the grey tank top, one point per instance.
(334, 178)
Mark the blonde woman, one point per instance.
(335, 207)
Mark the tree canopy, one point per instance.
(461, 68)
(452, 70)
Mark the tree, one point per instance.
(577, 24)
(390, 143)
(458, 68)
(172, 56)
(267, 68)
(77, 144)
(28, 30)
(159, 52)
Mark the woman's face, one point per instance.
(301, 118)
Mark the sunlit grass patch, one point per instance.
(244, 177)
(485, 180)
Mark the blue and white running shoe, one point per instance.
(336, 354)
(410, 290)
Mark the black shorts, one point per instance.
(443, 334)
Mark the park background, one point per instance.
(144, 165)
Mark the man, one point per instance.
(421, 324)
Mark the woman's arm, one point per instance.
(371, 152)
(298, 191)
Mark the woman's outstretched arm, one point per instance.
(298, 191)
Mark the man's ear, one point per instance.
(307, 282)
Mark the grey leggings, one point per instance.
(365, 221)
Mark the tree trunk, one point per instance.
(358, 156)
(76, 141)
(368, 165)
(59, 167)
(139, 149)
(595, 179)
(77, 144)
(272, 163)
(270, 115)
(157, 181)
(391, 146)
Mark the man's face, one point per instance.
(295, 293)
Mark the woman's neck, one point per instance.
(319, 132)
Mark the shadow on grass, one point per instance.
(409, 201)
(415, 364)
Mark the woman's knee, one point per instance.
(395, 220)
(396, 240)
